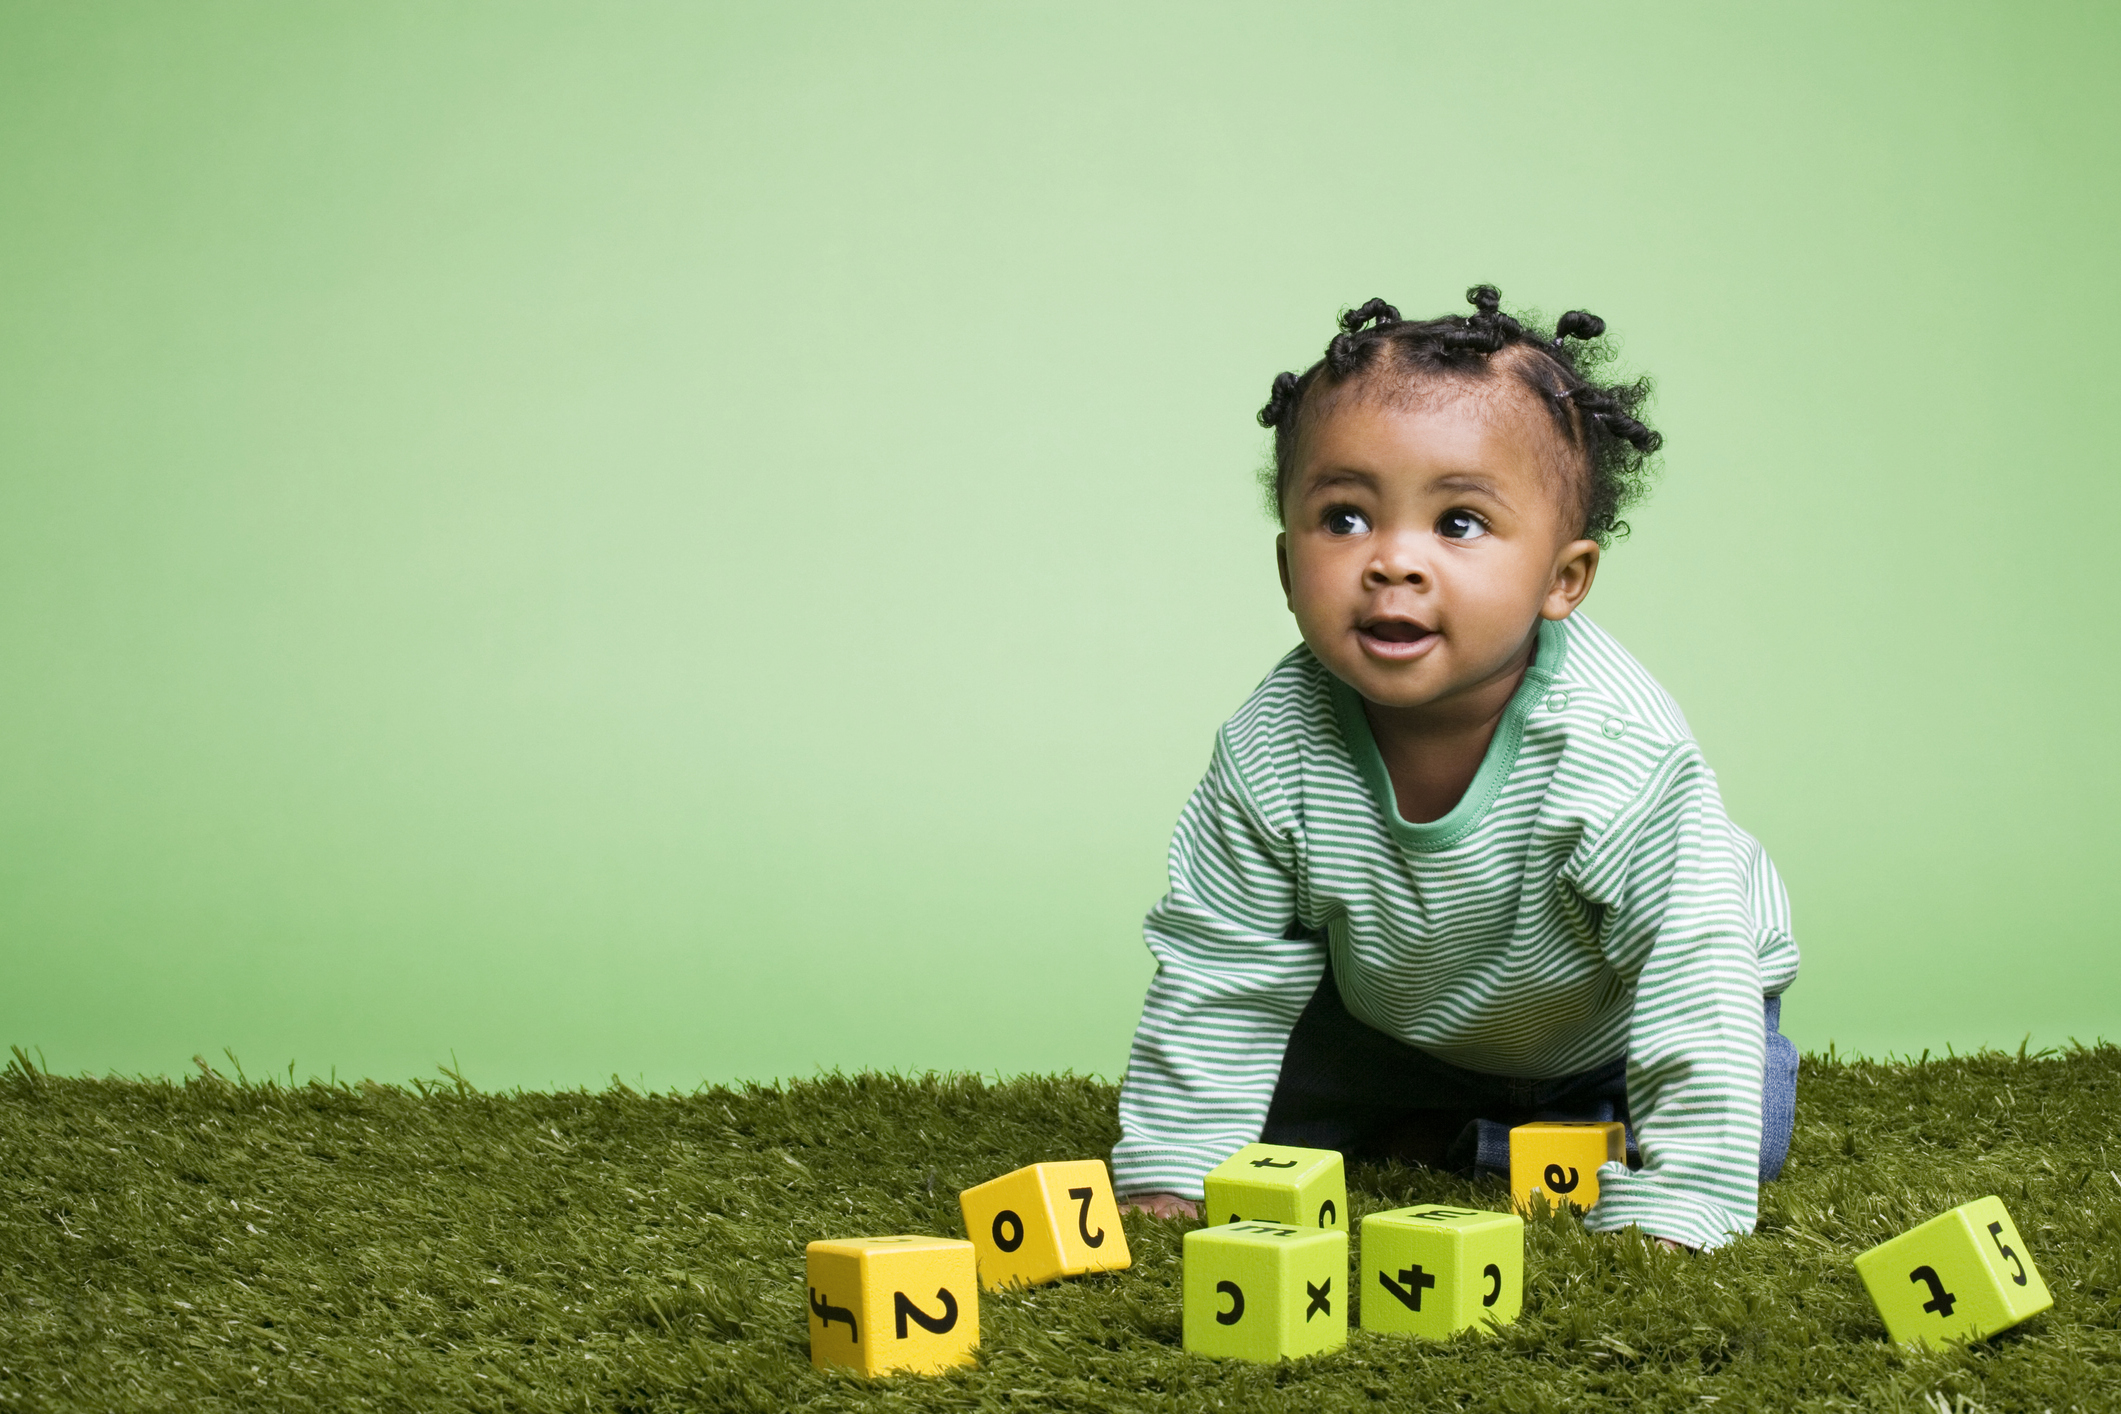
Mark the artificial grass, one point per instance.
(214, 1244)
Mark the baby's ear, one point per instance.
(1281, 560)
(1575, 566)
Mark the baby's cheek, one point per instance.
(1491, 621)
(1314, 595)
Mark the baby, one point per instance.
(1457, 863)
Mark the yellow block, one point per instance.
(893, 1303)
(1279, 1183)
(1045, 1222)
(1561, 1159)
(1962, 1276)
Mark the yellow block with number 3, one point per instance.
(1962, 1276)
(879, 1304)
(1279, 1183)
(1045, 1222)
(1560, 1160)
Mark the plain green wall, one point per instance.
(702, 542)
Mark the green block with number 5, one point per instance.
(1265, 1291)
(1962, 1276)
(1433, 1270)
(1278, 1183)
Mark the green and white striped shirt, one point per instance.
(1588, 898)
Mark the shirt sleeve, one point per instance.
(1228, 989)
(1681, 884)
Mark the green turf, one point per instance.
(220, 1245)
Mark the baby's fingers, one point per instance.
(1161, 1205)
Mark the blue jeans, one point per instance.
(1346, 1085)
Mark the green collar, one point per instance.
(1495, 767)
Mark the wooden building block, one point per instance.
(1561, 1159)
(893, 1303)
(1276, 1183)
(1433, 1270)
(1265, 1291)
(1962, 1276)
(1045, 1222)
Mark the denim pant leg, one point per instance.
(1592, 1095)
(1778, 1095)
(1347, 1086)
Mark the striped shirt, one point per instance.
(1587, 898)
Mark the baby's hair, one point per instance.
(1559, 367)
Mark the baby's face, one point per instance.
(1424, 544)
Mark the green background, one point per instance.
(703, 542)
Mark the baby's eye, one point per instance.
(1461, 525)
(1343, 520)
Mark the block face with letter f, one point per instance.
(1044, 1222)
(1278, 1183)
(1433, 1270)
(1962, 1276)
(879, 1304)
(1265, 1291)
(1560, 1159)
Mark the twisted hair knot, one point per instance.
(1280, 399)
(1594, 418)
(1473, 338)
(1344, 354)
(1370, 311)
(1628, 430)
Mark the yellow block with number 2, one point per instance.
(1044, 1222)
(893, 1303)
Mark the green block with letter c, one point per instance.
(1433, 1270)
(1962, 1276)
(1279, 1183)
(1265, 1291)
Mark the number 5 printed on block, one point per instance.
(1995, 1230)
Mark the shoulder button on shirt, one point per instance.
(1614, 727)
(1557, 702)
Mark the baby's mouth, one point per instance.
(1396, 638)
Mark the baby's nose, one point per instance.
(1392, 570)
(1399, 558)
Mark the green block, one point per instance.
(1276, 1183)
(1265, 1291)
(1962, 1276)
(1432, 1270)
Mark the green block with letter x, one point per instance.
(1265, 1291)
(1433, 1270)
(1279, 1183)
(1962, 1276)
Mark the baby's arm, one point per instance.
(1681, 928)
(1229, 986)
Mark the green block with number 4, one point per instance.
(1962, 1276)
(1278, 1183)
(1265, 1291)
(1433, 1270)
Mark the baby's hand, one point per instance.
(1160, 1205)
